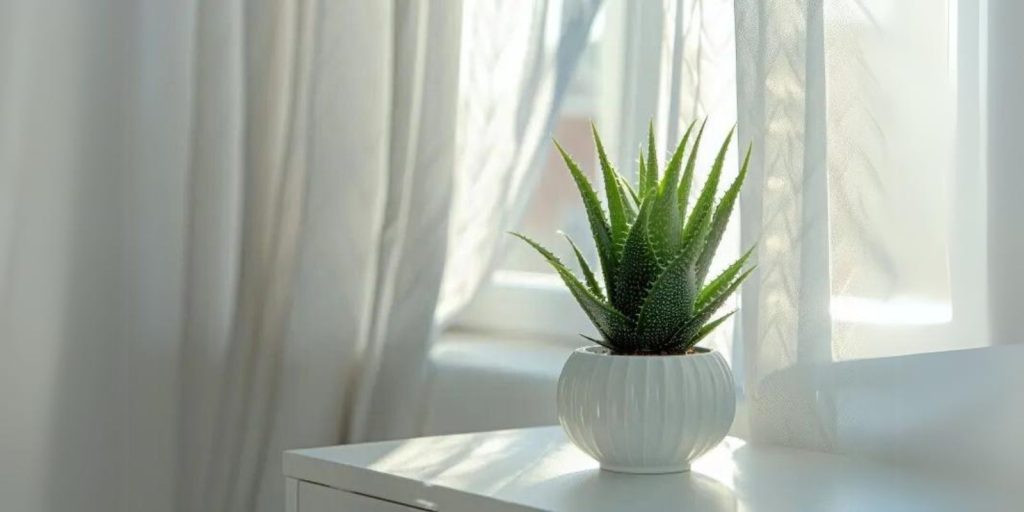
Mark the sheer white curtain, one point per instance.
(512, 82)
(866, 197)
(222, 228)
(409, 238)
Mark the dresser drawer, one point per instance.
(317, 498)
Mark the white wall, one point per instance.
(1006, 168)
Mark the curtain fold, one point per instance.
(781, 106)
(222, 234)
(268, 76)
(511, 86)
(410, 253)
(345, 201)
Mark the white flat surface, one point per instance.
(538, 469)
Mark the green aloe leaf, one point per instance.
(723, 280)
(654, 251)
(639, 266)
(641, 176)
(588, 274)
(595, 215)
(708, 327)
(714, 302)
(684, 336)
(687, 180)
(631, 202)
(669, 182)
(669, 303)
(616, 202)
(603, 343)
(720, 220)
(698, 225)
(652, 162)
(611, 323)
(666, 226)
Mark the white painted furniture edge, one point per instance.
(538, 469)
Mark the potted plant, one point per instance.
(645, 399)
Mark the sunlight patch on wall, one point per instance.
(895, 311)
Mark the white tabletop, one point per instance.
(538, 469)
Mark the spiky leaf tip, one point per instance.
(720, 220)
(652, 160)
(617, 215)
(686, 182)
(588, 274)
(670, 181)
(609, 322)
(666, 226)
(641, 176)
(698, 225)
(595, 216)
(707, 328)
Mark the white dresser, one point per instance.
(538, 469)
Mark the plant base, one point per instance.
(662, 470)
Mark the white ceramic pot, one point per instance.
(645, 414)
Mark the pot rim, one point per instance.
(599, 351)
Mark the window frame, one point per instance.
(538, 304)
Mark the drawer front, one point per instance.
(317, 498)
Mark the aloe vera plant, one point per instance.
(654, 251)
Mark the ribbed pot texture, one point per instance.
(645, 414)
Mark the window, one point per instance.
(616, 85)
(906, 200)
(906, 181)
(524, 294)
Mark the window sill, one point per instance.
(486, 381)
